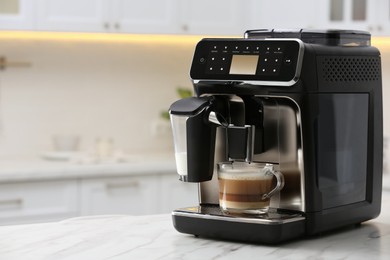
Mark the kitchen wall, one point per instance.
(385, 55)
(98, 88)
(92, 88)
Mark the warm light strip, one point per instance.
(140, 38)
(380, 41)
(102, 37)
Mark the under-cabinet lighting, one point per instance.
(380, 41)
(102, 37)
(141, 38)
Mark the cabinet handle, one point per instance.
(11, 202)
(117, 26)
(106, 25)
(132, 184)
(184, 27)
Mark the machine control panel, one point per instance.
(247, 60)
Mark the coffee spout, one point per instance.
(218, 119)
(240, 140)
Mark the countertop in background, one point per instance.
(153, 237)
(34, 169)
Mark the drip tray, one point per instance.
(213, 212)
(209, 221)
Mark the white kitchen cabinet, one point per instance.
(38, 201)
(367, 15)
(283, 14)
(106, 15)
(382, 26)
(135, 195)
(146, 16)
(72, 15)
(16, 15)
(218, 17)
(176, 194)
(348, 14)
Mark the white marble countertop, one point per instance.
(153, 237)
(35, 168)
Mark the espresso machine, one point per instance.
(307, 101)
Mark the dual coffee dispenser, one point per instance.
(298, 109)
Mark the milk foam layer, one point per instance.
(242, 176)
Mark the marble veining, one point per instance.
(153, 237)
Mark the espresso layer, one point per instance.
(245, 187)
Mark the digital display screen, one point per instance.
(244, 64)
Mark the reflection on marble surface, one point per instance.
(153, 237)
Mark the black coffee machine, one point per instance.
(307, 101)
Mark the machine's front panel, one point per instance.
(247, 60)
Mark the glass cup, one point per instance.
(247, 187)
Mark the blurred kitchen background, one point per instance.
(84, 84)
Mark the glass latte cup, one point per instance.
(247, 187)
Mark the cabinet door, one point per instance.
(177, 194)
(136, 195)
(146, 16)
(38, 201)
(72, 15)
(16, 14)
(382, 27)
(217, 17)
(282, 14)
(349, 14)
